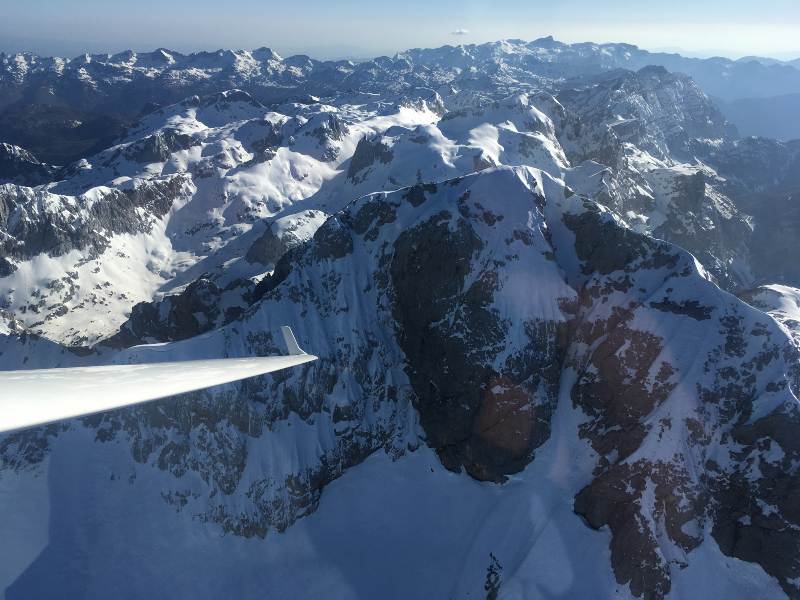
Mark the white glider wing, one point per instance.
(36, 397)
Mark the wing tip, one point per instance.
(291, 343)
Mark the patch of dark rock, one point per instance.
(333, 240)
(475, 418)
(178, 317)
(416, 193)
(159, 146)
(604, 247)
(367, 152)
(690, 308)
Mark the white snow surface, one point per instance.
(393, 529)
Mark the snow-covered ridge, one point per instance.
(17, 165)
(185, 194)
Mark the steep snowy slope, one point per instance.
(620, 409)
(781, 302)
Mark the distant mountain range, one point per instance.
(91, 98)
(770, 61)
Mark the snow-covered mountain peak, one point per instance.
(551, 307)
(511, 260)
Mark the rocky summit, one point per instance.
(551, 288)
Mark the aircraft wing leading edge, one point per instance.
(37, 397)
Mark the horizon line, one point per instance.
(357, 57)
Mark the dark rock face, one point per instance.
(475, 417)
(622, 381)
(636, 557)
(656, 507)
(265, 147)
(333, 240)
(428, 271)
(604, 247)
(758, 523)
(268, 248)
(367, 153)
(754, 496)
(277, 240)
(158, 147)
(178, 317)
(325, 131)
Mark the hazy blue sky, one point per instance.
(335, 28)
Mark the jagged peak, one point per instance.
(266, 54)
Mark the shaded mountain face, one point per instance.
(773, 116)
(514, 261)
(763, 176)
(659, 112)
(17, 165)
(56, 133)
